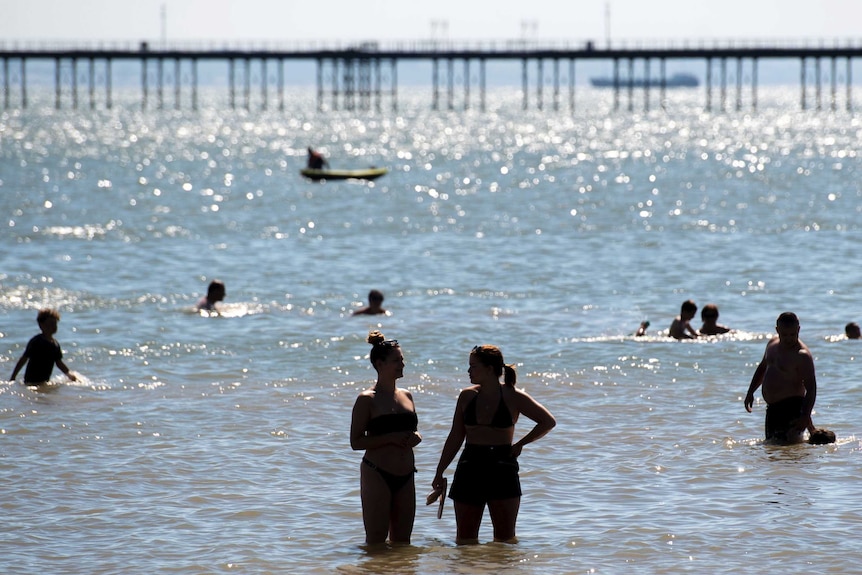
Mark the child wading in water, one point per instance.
(709, 315)
(680, 327)
(42, 352)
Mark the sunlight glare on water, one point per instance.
(205, 443)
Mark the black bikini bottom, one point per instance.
(395, 482)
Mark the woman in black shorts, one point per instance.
(487, 471)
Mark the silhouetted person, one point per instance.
(680, 328)
(215, 293)
(43, 352)
(375, 304)
(316, 161)
(709, 316)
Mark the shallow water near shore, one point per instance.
(198, 444)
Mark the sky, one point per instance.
(286, 21)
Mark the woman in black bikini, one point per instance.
(384, 424)
(487, 472)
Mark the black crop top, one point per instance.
(502, 417)
(392, 423)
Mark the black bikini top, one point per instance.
(392, 423)
(502, 417)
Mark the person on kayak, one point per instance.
(316, 161)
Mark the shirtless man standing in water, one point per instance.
(789, 385)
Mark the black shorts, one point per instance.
(780, 417)
(485, 473)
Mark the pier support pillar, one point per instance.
(319, 68)
(556, 84)
(23, 83)
(435, 84)
(247, 83)
(482, 84)
(540, 83)
(231, 65)
(6, 83)
(450, 84)
(663, 87)
(817, 81)
(264, 85)
(754, 67)
(710, 83)
(178, 74)
(91, 82)
(160, 69)
(74, 83)
(194, 83)
(466, 84)
(646, 84)
(802, 81)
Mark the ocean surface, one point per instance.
(219, 444)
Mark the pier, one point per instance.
(364, 75)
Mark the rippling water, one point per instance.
(220, 444)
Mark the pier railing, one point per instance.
(443, 45)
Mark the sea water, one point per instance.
(198, 444)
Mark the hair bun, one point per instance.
(375, 337)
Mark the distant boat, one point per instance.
(675, 81)
(326, 174)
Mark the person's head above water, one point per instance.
(491, 356)
(381, 348)
(216, 291)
